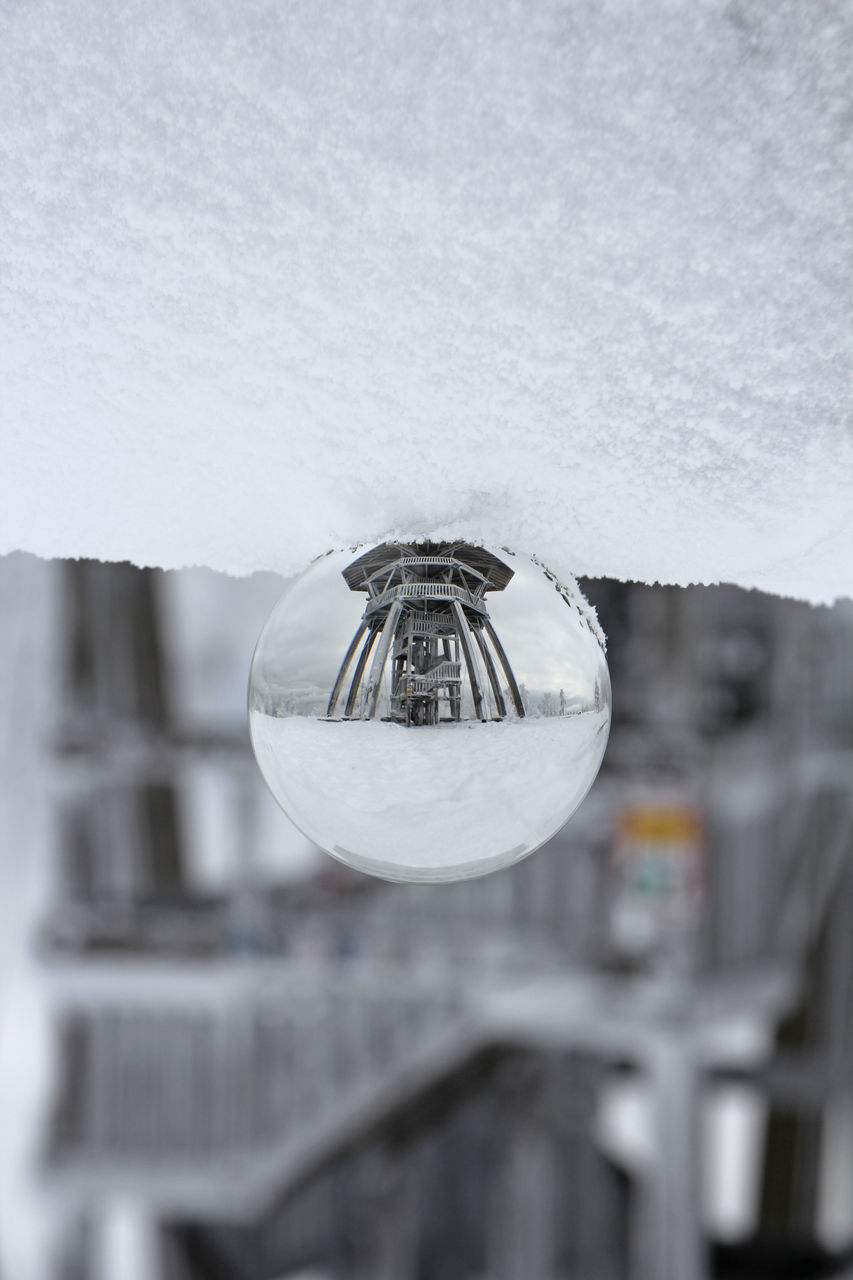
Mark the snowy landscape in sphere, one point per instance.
(429, 711)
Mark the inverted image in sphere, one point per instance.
(429, 711)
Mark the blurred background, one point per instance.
(225, 1057)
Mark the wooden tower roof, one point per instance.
(493, 570)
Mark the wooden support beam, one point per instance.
(359, 672)
(350, 654)
(490, 668)
(378, 665)
(507, 669)
(465, 641)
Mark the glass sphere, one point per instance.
(429, 711)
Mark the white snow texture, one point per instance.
(447, 802)
(573, 278)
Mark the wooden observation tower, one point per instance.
(426, 614)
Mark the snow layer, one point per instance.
(572, 278)
(446, 802)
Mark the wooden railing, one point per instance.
(444, 673)
(429, 560)
(425, 591)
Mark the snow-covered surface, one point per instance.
(433, 803)
(574, 278)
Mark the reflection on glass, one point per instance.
(429, 711)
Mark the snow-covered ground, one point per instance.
(571, 278)
(432, 803)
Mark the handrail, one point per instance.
(445, 673)
(424, 591)
(410, 560)
(430, 625)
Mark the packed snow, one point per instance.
(570, 278)
(434, 803)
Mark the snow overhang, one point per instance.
(572, 279)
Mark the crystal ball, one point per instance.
(429, 711)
